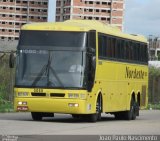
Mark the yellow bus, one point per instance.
(80, 67)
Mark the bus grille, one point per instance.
(38, 94)
(57, 94)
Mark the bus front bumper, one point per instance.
(69, 106)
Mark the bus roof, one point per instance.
(83, 25)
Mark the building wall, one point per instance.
(15, 13)
(107, 11)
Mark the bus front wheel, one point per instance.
(97, 115)
(36, 116)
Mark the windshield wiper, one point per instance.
(46, 69)
(39, 75)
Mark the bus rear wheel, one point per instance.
(36, 116)
(131, 114)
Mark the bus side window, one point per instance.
(136, 52)
(146, 54)
(118, 49)
(100, 46)
(109, 49)
(131, 53)
(104, 50)
(127, 50)
(113, 47)
(122, 49)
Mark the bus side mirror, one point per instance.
(11, 60)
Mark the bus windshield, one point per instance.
(51, 59)
(41, 68)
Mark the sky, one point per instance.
(140, 16)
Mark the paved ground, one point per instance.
(21, 124)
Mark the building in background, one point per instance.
(15, 13)
(107, 11)
(154, 48)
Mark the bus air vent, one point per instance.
(38, 94)
(57, 94)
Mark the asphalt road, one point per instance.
(148, 123)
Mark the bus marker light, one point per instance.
(89, 107)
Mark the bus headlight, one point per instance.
(22, 93)
(73, 104)
(22, 103)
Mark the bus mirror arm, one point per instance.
(93, 63)
(91, 50)
(11, 60)
(91, 71)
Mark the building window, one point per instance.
(97, 18)
(103, 11)
(25, 2)
(98, 2)
(90, 18)
(45, 3)
(104, 3)
(90, 10)
(24, 9)
(18, 9)
(97, 10)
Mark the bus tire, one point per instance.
(36, 116)
(119, 115)
(131, 114)
(97, 115)
(76, 116)
(93, 117)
